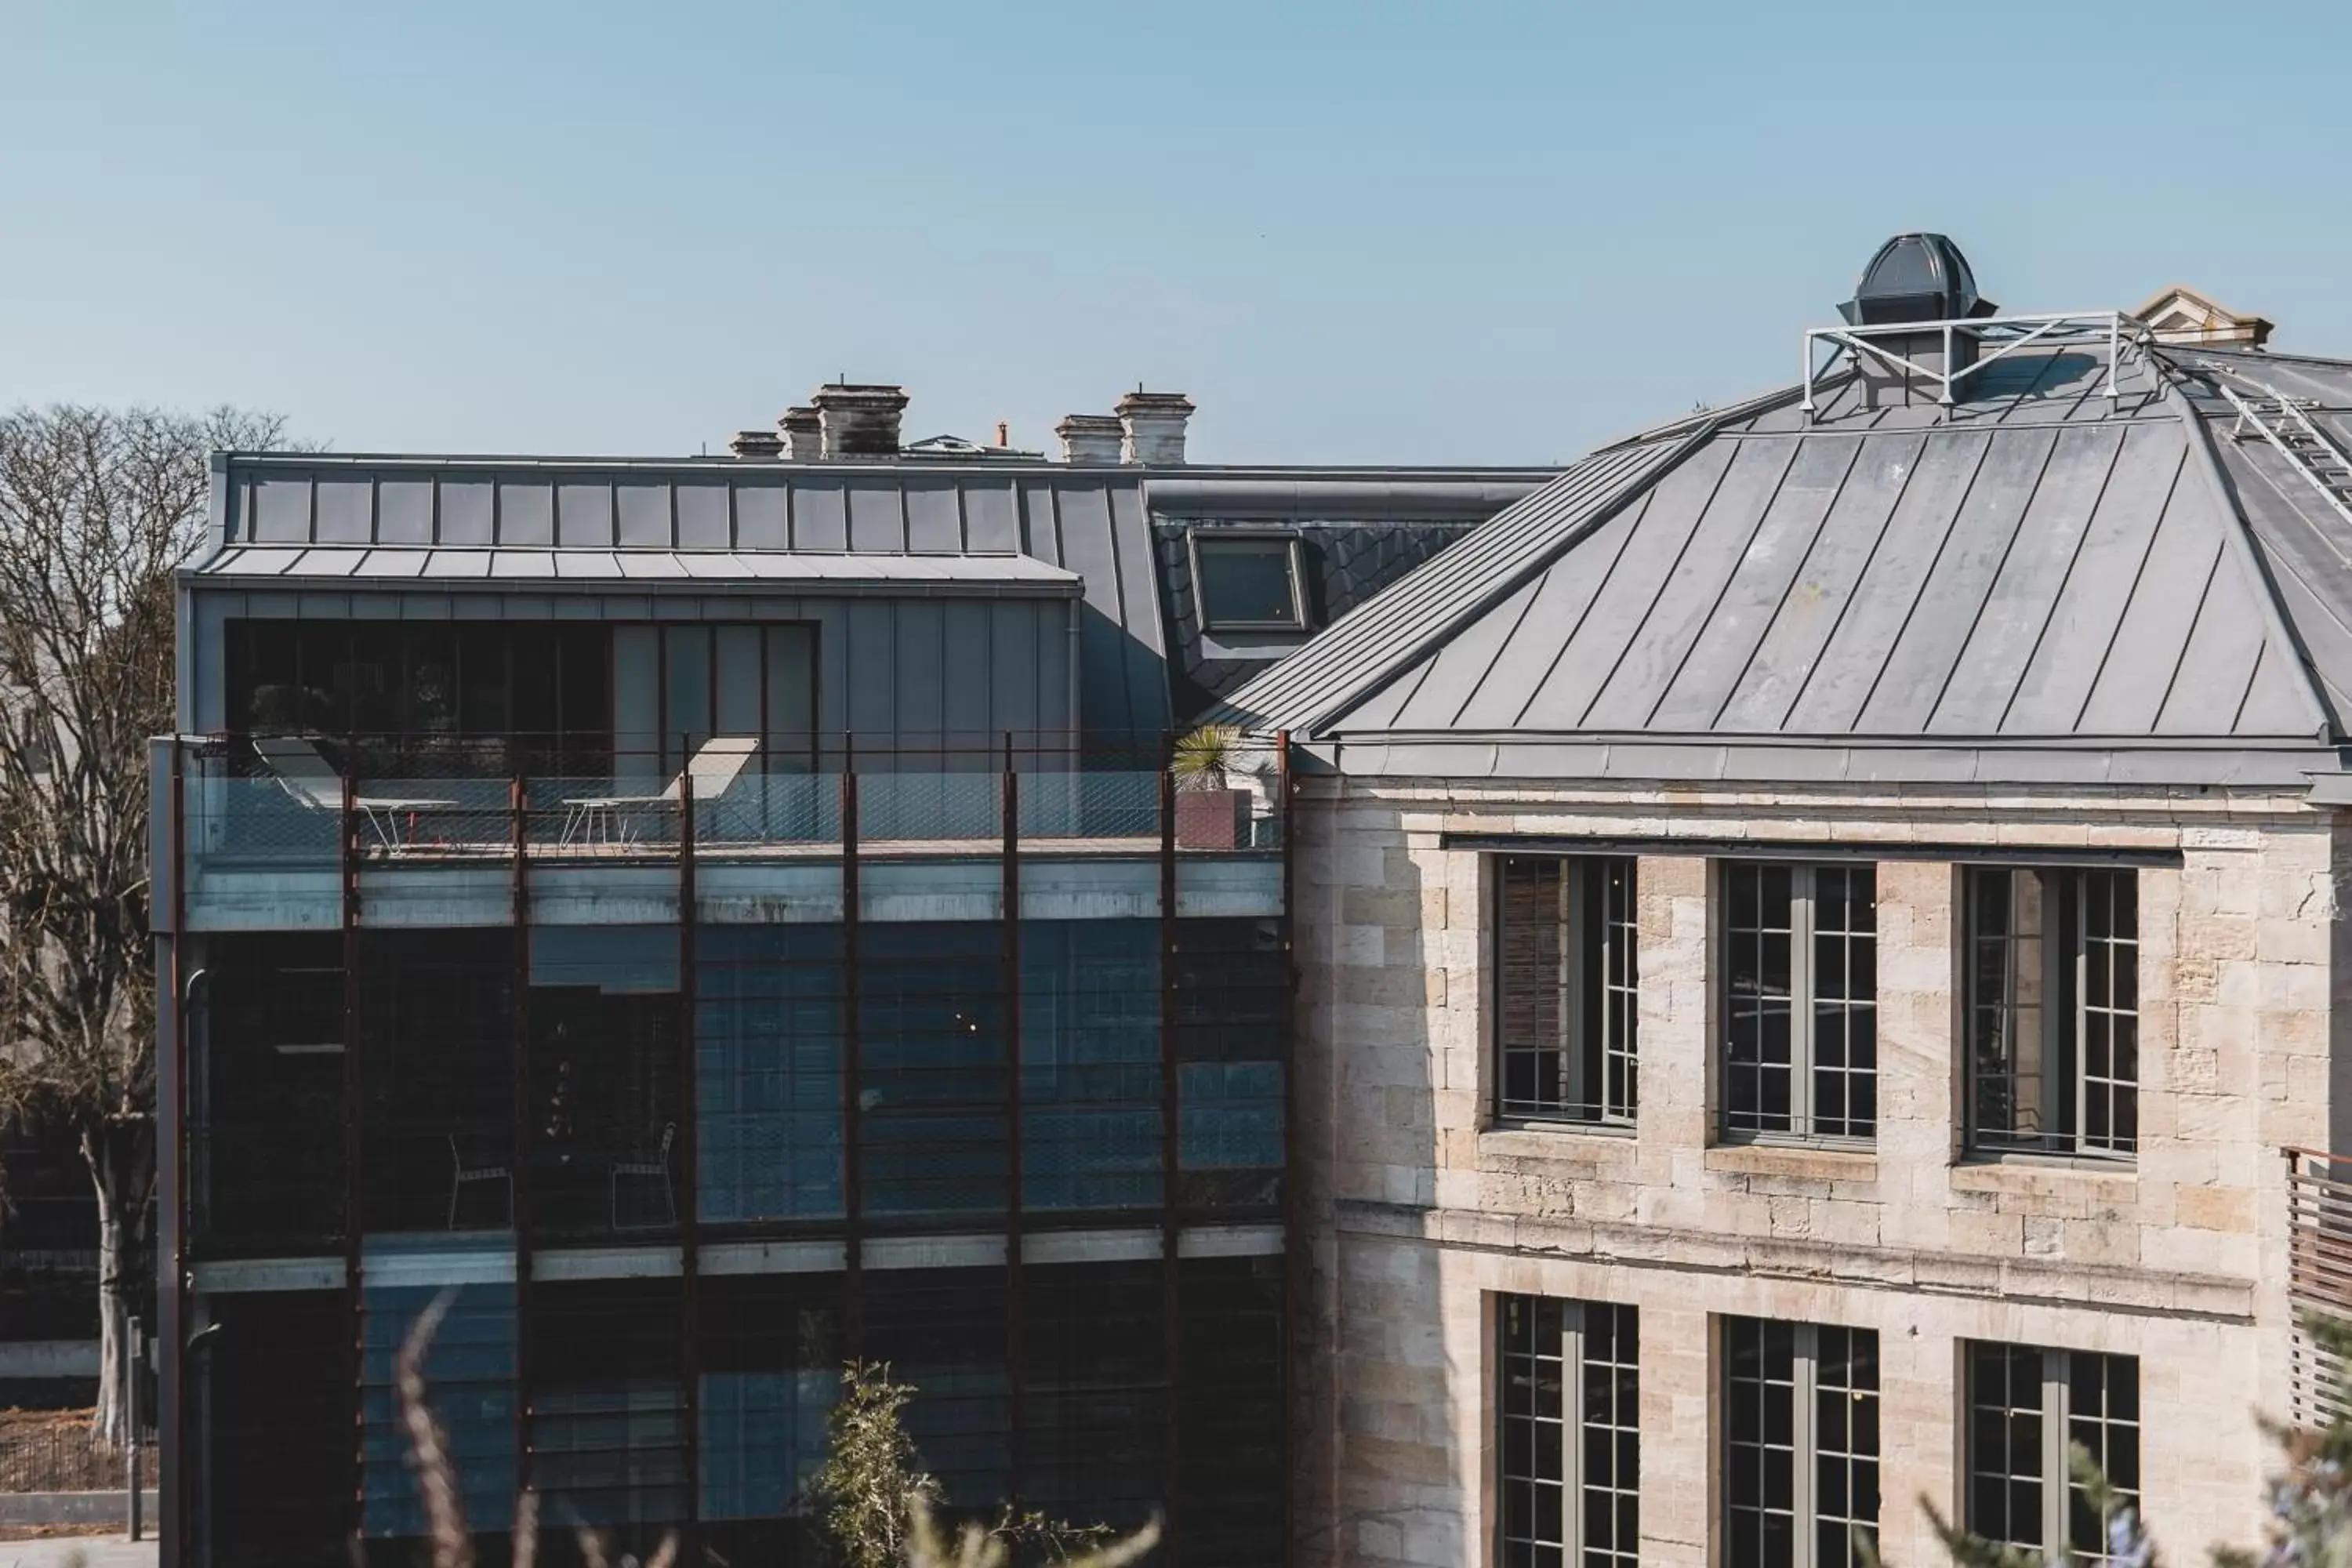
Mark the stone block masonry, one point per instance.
(1423, 1209)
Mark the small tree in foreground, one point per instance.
(877, 1507)
(876, 1504)
(2310, 1499)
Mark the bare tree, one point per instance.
(97, 507)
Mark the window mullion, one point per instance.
(2076, 928)
(2056, 1478)
(1800, 1001)
(1616, 959)
(1572, 1430)
(1803, 1462)
(1573, 1045)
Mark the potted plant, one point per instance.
(1211, 813)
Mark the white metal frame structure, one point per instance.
(2306, 448)
(2001, 336)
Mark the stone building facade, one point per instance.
(1430, 1209)
(1819, 935)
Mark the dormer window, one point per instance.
(1249, 582)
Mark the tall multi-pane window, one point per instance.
(1800, 1442)
(1801, 1015)
(2027, 1407)
(1567, 989)
(1571, 1461)
(2053, 1010)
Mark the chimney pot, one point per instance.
(1153, 424)
(1090, 437)
(756, 445)
(859, 420)
(803, 435)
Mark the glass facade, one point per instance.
(768, 1043)
(1230, 1047)
(639, 1155)
(1090, 1065)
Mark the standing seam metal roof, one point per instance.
(2039, 565)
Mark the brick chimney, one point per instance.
(1090, 437)
(1154, 423)
(803, 435)
(859, 420)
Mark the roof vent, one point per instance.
(1917, 278)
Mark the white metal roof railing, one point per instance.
(2002, 335)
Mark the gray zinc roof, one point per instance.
(698, 570)
(2031, 583)
(577, 522)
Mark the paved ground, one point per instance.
(98, 1552)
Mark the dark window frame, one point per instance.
(1821, 1067)
(2015, 1439)
(1830, 1432)
(1585, 1070)
(1568, 1433)
(2085, 1080)
(1199, 541)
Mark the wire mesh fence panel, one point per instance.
(601, 814)
(892, 806)
(57, 1455)
(394, 816)
(771, 808)
(259, 820)
(1112, 804)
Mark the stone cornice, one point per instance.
(1908, 1271)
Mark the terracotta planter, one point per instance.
(1211, 818)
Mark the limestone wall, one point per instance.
(1418, 1208)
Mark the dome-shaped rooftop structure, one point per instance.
(1915, 277)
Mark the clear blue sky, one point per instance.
(1352, 231)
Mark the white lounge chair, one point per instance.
(312, 780)
(715, 765)
(654, 1169)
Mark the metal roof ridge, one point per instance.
(723, 463)
(1858, 740)
(2237, 538)
(1761, 402)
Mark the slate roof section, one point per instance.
(2040, 568)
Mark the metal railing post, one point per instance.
(130, 1422)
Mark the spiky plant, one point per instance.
(1208, 758)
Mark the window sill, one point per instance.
(2046, 1174)
(1557, 1140)
(1819, 1161)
